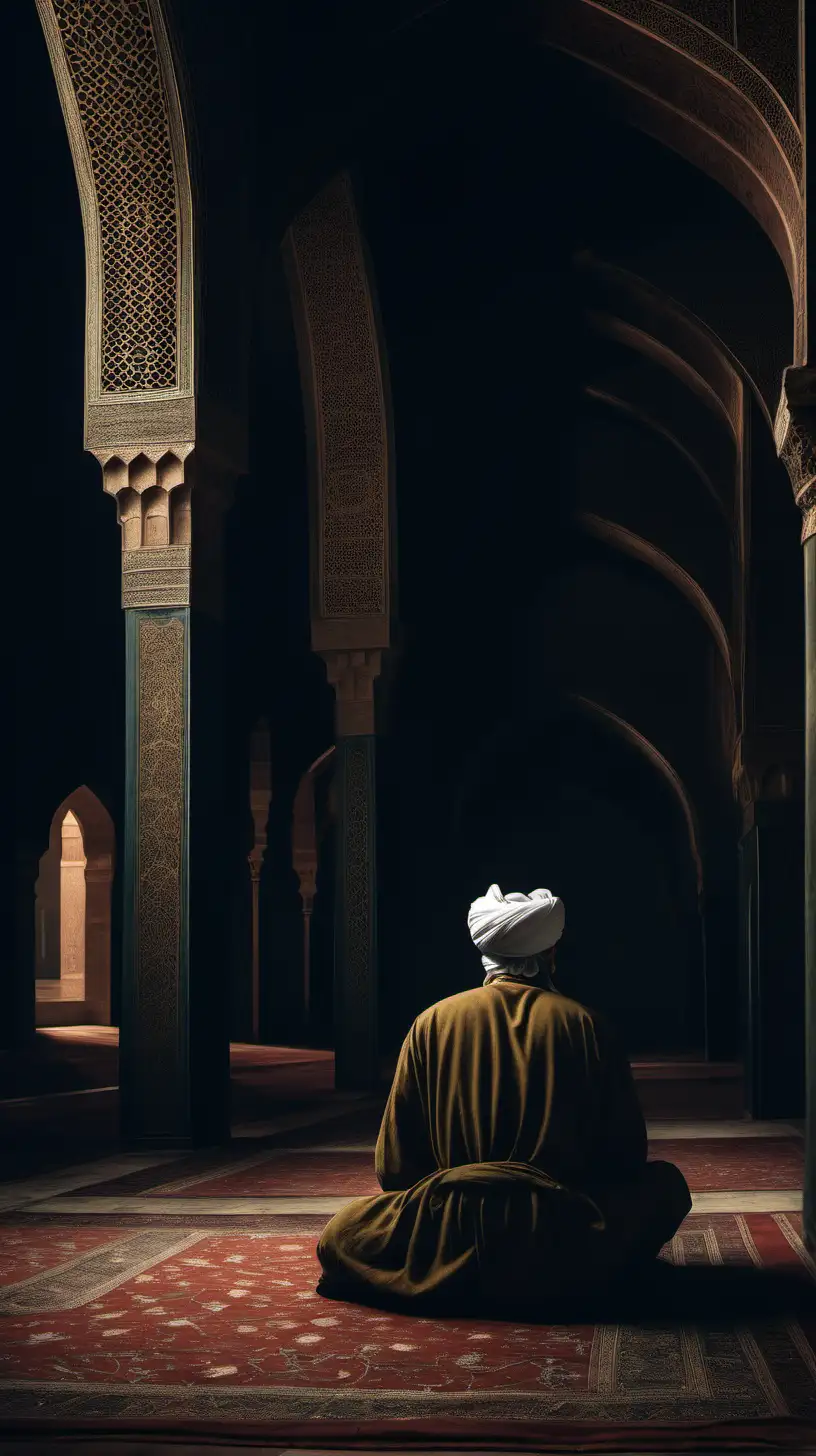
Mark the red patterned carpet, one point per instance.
(710, 1164)
(178, 1326)
(26, 1252)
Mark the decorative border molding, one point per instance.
(684, 86)
(686, 34)
(156, 577)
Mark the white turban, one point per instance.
(516, 925)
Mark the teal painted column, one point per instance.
(795, 433)
(174, 1038)
(140, 423)
(156, 1090)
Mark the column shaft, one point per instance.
(809, 551)
(355, 975)
(771, 890)
(155, 1052)
(174, 1067)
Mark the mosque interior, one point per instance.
(424, 497)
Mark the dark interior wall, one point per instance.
(633, 946)
(473, 223)
(68, 639)
(556, 801)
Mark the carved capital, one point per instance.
(768, 766)
(153, 508)
(260, 786)
(795, 436)
(306, 872)
(352, 675)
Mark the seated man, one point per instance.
(512, 1151)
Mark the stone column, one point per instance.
(260, 794)
(117, 86)
(796, 443)
(304, 863)
(347, 399)
(19, 1016)
(352, 675)
(167, 1090)
(769, 779)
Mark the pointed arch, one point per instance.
(98, 840)
(639, 549)
(647, 749)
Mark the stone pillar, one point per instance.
(120, 99)
(167, 1091)
(352, 675)
(98, 932)
(260, 794)
(770, 783)
(155, 1091)
(347, 399)
(796, 443)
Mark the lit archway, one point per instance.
(73, 915)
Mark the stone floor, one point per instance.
(120, 1277)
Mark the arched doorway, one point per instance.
(573, 804)
(73, 915)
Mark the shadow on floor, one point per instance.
(715, 1296)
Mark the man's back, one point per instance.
(523, 1095)
(511, 1072)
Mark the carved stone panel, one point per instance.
(114, 72)
(345, 395)
(155, 989)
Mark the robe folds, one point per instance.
(512, 1159)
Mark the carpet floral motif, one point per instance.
(239, 1312)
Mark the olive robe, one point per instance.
(512, 1158)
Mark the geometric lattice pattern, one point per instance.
(113, 60)
(683, 34)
